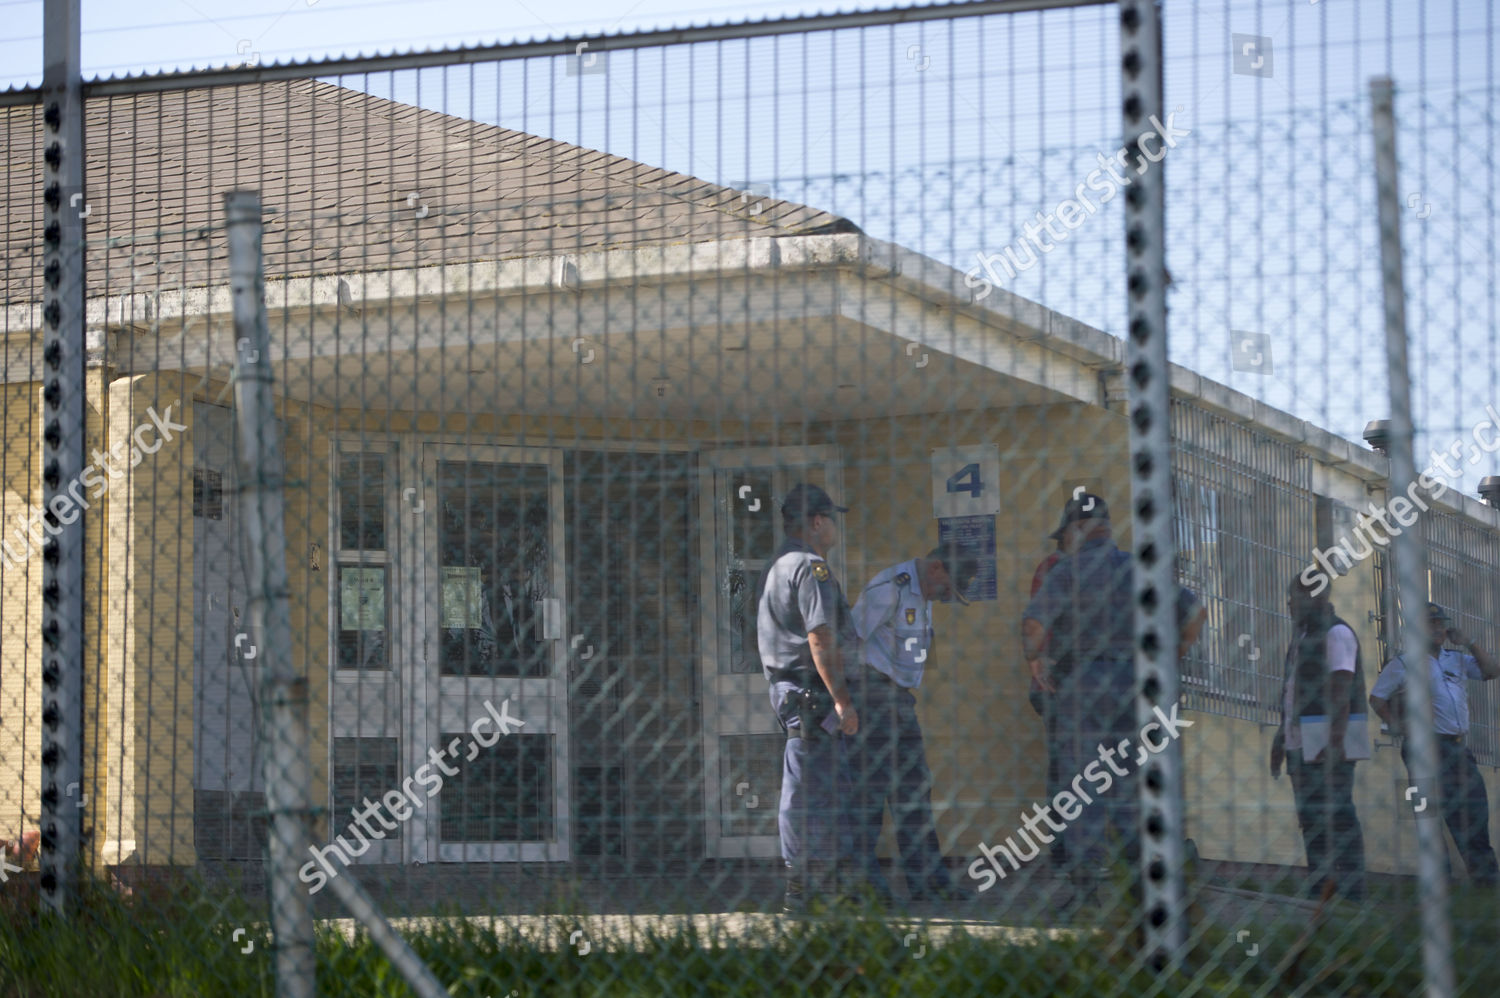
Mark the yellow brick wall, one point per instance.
(150, 648)
(102, 729)
(20, 612)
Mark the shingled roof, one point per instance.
(350, 182)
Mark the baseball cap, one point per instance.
(1435, 612)
(806, 499)
(1086, 506)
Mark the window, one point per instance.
(362, 597)
(364, 769)
(1244, 522)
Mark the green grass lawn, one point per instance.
(183, 943)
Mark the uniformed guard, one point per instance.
(1459, 788)
(888, 758)
(806, 634)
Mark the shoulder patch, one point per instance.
(903, 579)
(820, 571)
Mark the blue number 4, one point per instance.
(974, 486)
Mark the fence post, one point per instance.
(1155, 585)
(63, 447)
(283, 691)
(1406, 547)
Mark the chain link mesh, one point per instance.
(552, 338)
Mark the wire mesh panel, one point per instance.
(708, 511)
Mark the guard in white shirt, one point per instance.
(887, 756)
(1460, 788)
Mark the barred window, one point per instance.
(1245, 523)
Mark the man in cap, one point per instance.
(1460, 788)
(806, 634)
(1083, 616)
(888, 758)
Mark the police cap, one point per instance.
(806, 501)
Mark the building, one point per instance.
(537, 404)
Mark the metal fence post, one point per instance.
(63, 446)
(1407, 550)
(283, 693)
(1155, 583)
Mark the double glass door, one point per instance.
(448, 685)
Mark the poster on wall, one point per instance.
(973, 536)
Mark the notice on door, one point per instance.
(463, 598)
(973, 536)
(362, 599)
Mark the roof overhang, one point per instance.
(829, 327)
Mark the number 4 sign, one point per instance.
(966, 480)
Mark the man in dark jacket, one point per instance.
(1324, 679)
(1078, 636)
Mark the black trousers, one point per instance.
(1046, 708)
(888, 760)
(1330, 826)
(1466, 807)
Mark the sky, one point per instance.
(137, 35)
(949, 137)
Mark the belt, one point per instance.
(870, 672)
(799, 674)
(1442, 739)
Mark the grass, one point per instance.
(181, 942)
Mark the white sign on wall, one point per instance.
(966, 480)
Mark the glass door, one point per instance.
(741, 492)
(365, 747)
(493, 708)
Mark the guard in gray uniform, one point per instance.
(888, 757)
(806, 634)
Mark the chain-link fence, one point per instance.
(511, 375)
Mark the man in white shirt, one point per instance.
(1460, 788)
(1323, 678)
(894, 620)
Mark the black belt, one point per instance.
(801, 675)
(1451, 739)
